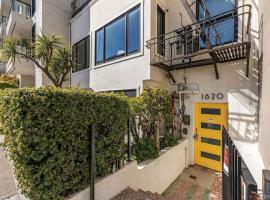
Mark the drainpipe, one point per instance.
(69, 24)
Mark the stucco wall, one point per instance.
(264, 137)
(27, 81)
(52, 17)
(239, 92)
(154, 176)
(128, 72)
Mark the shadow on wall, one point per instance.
(243, 108)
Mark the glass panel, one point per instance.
(225, 30)
(81, 55)
(211, 111)
(210, 156)
(115, 42)
(100, 46)
(131, 93)
(87, 52)
(211, 126)
(210, 141)
(133, 31)
(21, 8)
(160, 31)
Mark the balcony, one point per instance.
(78, 5)
(5, 7)
(20, 66)
(205, 42)
(19, 21)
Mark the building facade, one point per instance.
(208, 54)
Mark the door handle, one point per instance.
(196, 136)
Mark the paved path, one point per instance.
(195, 183)
(7, 184)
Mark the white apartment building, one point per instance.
(23, 20)
(206, 53)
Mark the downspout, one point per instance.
(70, 46)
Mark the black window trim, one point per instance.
(87, 57)
(126, 37)
(33, 7)
(163, 13)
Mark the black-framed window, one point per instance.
(129, 93)
(223, 32)
(119, 38)
(33, 32)
(160, 31)
(33, 7)
(81, 54)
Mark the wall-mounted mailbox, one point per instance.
(186, 120)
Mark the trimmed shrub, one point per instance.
(145, 148)
(46, 136)
(8, 79)
(4, 85)
(168, 140)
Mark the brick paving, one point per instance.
(196, 187)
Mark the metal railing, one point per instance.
(190, 41)
(78, 5)
(237, 180)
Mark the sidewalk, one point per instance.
(7, 184)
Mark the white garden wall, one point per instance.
(154, 176)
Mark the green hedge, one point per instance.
(46, 137)
(4, 85)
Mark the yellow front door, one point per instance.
(209, 119)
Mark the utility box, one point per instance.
(186, 120)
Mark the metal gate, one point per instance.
(237, 181)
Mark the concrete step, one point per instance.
(130, 194)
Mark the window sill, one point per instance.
(132, 56)
(80, 71)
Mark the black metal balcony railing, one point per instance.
(78, 5)
(188, 46)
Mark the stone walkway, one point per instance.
(7, 184)
(195, 183)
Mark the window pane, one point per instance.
(211, 126)
(161, 31)
(226, 29)
(100, 46)
(211, 111)
(210, 156)
(81, 55)
(115, 44)
(87, 51)
(134, 31)
(210, 141)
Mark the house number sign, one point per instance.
(213, 96)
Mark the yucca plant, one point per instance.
(47, 52)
